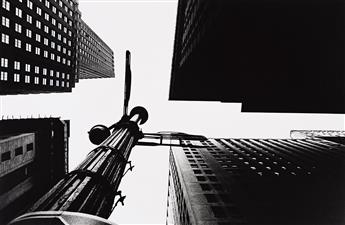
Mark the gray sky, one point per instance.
(146, 28)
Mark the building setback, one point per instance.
(256, 181)
(96, 59)
(39, 45)
(331, 135)
(33, 157)
(271, 56)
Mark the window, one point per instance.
(39, 11)
(5, 156)
(59, 48)
(62, 84)
(6, 5)
(53, 21)
(16, 77)
(46, 16)
(17, 43)
(69, 43)
(51, 82)
(3, 75)
(30, 147)
(18, 151)
(19, 12)
(16, 65)
(27, 67)
(59, 26)
(36, 80)
(38, 24)
(27, 79)
(5, 38)
(67, 84)
(28, 33)
(44, 81)
(37, 51)
(54, 9)
(53, 32)
(4, 62)
(47, 4)
(5, 22)
(29, 18)
(52, 44)
(29, 4)
(38, 37)
(51, 73)
(64, 41)
(44, 71)
(45, 41)
(59, 37)
(57, 83)
(57, 74)
(45, 54)
(68, 62)
(60, 14)
(46, 29)
(37, 70)
(18, 28)
(69, 52)
(28, 47)
(58, 58)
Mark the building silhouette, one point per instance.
(256, 181)
(271, 56)
(34, 156)
(42, 47)
(330, 135)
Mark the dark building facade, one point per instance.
(271, 56)
(96, 59)
(34, 156)
(39, 47)
(256, 181)
(331, 135)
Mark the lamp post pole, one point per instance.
(92, 187)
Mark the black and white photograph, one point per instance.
(172, 112)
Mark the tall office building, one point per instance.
(271, 56)
(34, 156)
(256, 181)
(331, 135)
(96, 59)
(41, 47)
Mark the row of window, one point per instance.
(28, 47)
(27, 80)
(37, 69)
(17, 151)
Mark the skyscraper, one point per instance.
(331, 135)
(43, 47)
(96, 59)
(256, 181)
(34, 156)
(271, 56)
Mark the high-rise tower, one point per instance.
(256, 181)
